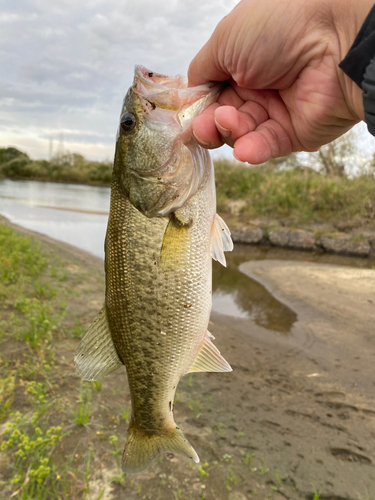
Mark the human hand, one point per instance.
(285, 91)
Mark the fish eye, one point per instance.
(127, 122)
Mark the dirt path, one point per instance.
(295, 417)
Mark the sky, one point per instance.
(66, 65)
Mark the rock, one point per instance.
(345, 244)
(302, 239)
(292, 238)
(279, 237)
(247, 235)
(368, 234)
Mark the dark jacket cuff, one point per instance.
(359, 65)
(362, 50)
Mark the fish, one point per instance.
(162, 234)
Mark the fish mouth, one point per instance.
(158, 92)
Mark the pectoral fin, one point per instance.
(209, 358)
(96, 355)
(174, 242)
(220, 240)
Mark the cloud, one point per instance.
(67, 64)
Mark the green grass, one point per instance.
(34, 410)
(82, 412)
(298, 194)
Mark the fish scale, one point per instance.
(162, 232)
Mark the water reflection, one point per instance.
(55, 195)
(234, 294)
(85, 231)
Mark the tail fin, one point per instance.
(142, 448)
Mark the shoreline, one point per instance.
(357, 243)
(340, 238)
(74, 252)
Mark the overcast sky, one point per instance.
(66, 65)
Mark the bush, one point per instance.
(17, 167)
(8, 154)
(66, 167)
(298, 194)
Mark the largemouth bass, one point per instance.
(162, 233)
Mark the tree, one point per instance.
(335, 158)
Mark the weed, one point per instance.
(82, 413)
(203, 469)
(31, 448)
(38, 392)
(77, 331)
(263, 470)
(20, 257)
(97, 385)
(178, 493)
(125, 414)
(231, 479)
(43, 290)
(41, 323)
(6, 393)
(113, 440)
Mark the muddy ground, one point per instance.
(294, 420)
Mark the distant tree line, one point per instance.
(63, 167)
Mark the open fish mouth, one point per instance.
(172, 93)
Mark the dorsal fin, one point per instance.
(209, 358)
(220, 240)
(96, 355)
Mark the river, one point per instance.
(77, 214)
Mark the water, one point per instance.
(70, 213)
(77, 215)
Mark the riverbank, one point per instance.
(353, 238)
(294, 420)
(292, 208)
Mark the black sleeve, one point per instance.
(359, 65)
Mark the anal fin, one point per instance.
(221, 240)
(96, 355)
(209, 358)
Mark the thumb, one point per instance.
(205, 67)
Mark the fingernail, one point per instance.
(201, 141)
(224, 132)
